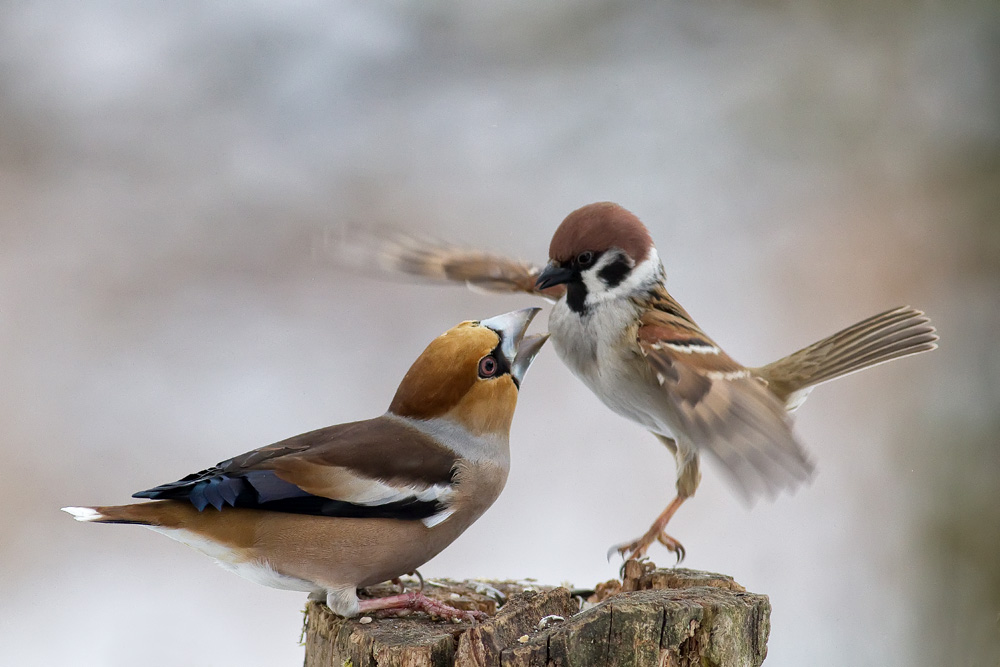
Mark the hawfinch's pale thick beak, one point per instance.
(526, 351)
(517, 349)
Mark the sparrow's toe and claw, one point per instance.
(673, 546)
(636, 549)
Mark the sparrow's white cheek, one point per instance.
(639, 280)
(597, 291)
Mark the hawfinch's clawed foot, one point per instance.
(420, 602)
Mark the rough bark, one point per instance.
(659, 617)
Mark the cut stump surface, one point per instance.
(660, 617)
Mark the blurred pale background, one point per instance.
(166, 170)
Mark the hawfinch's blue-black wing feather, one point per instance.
(216, 487)
(376, 468)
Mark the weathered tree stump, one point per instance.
(661, 617)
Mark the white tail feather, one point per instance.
(83, 513)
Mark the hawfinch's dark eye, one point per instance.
(488, 367)
(585, 259)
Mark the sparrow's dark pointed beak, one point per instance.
(553, 274)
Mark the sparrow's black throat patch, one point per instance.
(576, 296)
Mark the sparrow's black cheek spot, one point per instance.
(614, 273)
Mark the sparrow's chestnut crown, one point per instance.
(594, 229)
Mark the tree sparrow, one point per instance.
(355, 504)
(619, 330)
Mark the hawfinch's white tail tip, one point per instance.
(83, 513)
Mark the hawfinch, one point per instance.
(355, 504)
(619, 330)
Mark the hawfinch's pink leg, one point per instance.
(420, 602)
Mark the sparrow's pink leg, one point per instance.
(637, 549)
(420, 602)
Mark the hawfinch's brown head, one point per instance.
(471, 373)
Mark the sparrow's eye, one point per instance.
(488, 367)
(585, 259)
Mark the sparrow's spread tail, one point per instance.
(890, 335)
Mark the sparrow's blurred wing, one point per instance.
(718, 406)
(443, 262)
